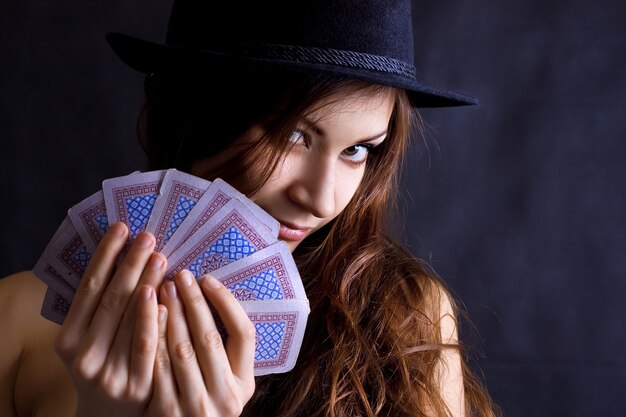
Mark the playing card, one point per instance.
(269, 274)
(231, 234)
(89, 218)
(130, 199)
(66, 255)
(279, 329)
(222, 187)
(216, 196)
(211, 228)
(178, 195)
(55, 306)
(55, 280)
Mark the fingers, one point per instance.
(165, 390)
(110, 339)
(152, 276)
(241, 342)
(193, 371)
(144, 343)
(181, 349)
(206, 338)
(89, 292)
(106, 320)
(146, 332)
(94, 281)
(128, 367)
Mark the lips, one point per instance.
(292, 232)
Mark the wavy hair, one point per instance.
(373, 343)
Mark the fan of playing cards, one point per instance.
(202, 226)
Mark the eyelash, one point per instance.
(370, 149)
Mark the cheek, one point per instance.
(277, 182)
(347, 182)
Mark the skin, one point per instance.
(321, 173)
(131, 346)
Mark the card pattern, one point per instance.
(232, 239)
(134, 205)
(264, 280)
(75, 256)
(212, 228)
(55, 280)
(96, 221)
(183, 207)
(230, 247)
(274, 336)
(90, 220)
(262, 287)
(139, 209)
(218, 201)
(55, 307)
(49, 269)
(181, 199)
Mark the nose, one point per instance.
(314, 188)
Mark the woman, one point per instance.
(307, 109)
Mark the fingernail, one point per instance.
(146, 293)
(162, 315)
(211, 282)
(156, 262)
(170, 289)
(186, 278)
(118, 229)
(144, 240)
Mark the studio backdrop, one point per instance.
(519, 203)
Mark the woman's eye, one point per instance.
(357, 154)
(297, 136)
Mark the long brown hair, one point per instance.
(373, 342)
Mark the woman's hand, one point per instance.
(195, 374)
(109, 339)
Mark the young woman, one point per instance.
(307, 109)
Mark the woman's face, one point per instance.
(321, 172)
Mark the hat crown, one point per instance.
(368, 40)
(376, 27)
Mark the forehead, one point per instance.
(363, 109)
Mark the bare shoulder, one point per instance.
(423, 290)
(18, 288)
(446, 311)
(33, 381)
(441, 313)
(19, 296)
(450, 368)
(436, 321)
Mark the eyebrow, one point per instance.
(311, 125)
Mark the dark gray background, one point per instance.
(518, 203)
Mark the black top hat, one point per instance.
(370, 40)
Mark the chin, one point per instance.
(292, 245)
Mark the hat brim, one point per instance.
(148, 57)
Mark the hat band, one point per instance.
(313, 55)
